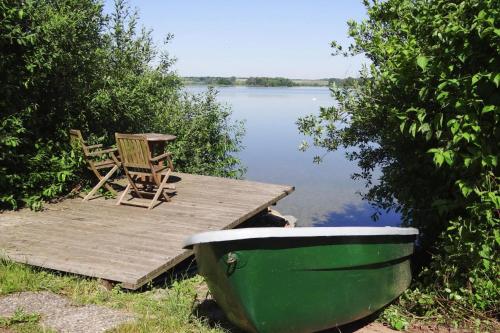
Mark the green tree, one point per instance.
(64, 64)
(49, 55)
(426, 113)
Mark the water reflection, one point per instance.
(323, 192)
(352, 215)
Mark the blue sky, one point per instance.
(254, 38)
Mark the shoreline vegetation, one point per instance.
(265, 81)
(425, 113)
(71, 66)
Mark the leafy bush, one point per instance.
(426, 113)
(64, 64)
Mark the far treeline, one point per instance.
(266, 81)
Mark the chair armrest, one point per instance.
(160, 157)
(94, 146)
(101, 152)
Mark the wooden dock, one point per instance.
(127, 244)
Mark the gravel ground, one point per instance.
(59, 314)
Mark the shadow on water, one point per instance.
(353, 215)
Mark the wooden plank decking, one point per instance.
(129, 244)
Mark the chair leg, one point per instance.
(99, 176)
(123, 195)
(110, 188)
(101, 183)
(170, 164)
(167, 186)
(158, 192)
(132, 183)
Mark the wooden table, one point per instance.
(157, 141)
(158, 137)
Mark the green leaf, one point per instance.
(422, 62)
(413, 129)
(438, 156)
(424, 128)
(448, 157)
(476, 78)
(402, 126)
(439, 159)
(497, 236)
(422, 92)
(488, 108)
(466, 190)
(428, 136)
(495, 199)
(421, 115)
(493, 160)
(496, 79)
(489, 161)
(442, 95)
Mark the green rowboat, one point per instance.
(303, 279)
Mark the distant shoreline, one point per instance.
(264, 81)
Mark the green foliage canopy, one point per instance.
(64, 64)
(426, 113)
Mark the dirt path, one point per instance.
(59, 314)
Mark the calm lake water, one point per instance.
(325, 194)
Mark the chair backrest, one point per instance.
(134, 150)
(76, 139)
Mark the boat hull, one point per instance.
(304, 284)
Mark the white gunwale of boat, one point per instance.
(258, 233)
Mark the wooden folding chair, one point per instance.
(97, 159)
(141, 168)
